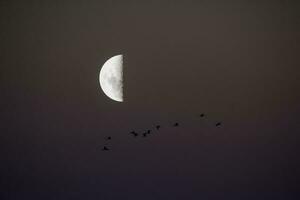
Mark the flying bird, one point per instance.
(105, 148)
(145, 134)
(134, 133)
(149, 131)
(202, 115)
(108, 138)
(218, 124)
(158, 127)
(176, 124)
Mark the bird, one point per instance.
(108, 138)
(202, 115)
(218, 124)
(105, 148)
(176, 124)
(134, 133)
(157, 127)
(148, 131)
(145, 134)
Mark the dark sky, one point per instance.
(236, 61)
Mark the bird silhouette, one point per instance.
(145, 134)
(176, 124)
(218, 124)
(148, 131)
(105, 148)
(134, 133)
(202, 115)
(157, 127)
(108, 138)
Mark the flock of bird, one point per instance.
(157, 127)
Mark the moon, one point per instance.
(111, 78)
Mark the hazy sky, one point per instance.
(236, 61)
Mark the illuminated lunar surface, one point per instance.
(111, 78)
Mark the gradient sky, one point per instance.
(236, 61)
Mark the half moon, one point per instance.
(111, 78)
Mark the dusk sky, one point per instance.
(236, 61)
